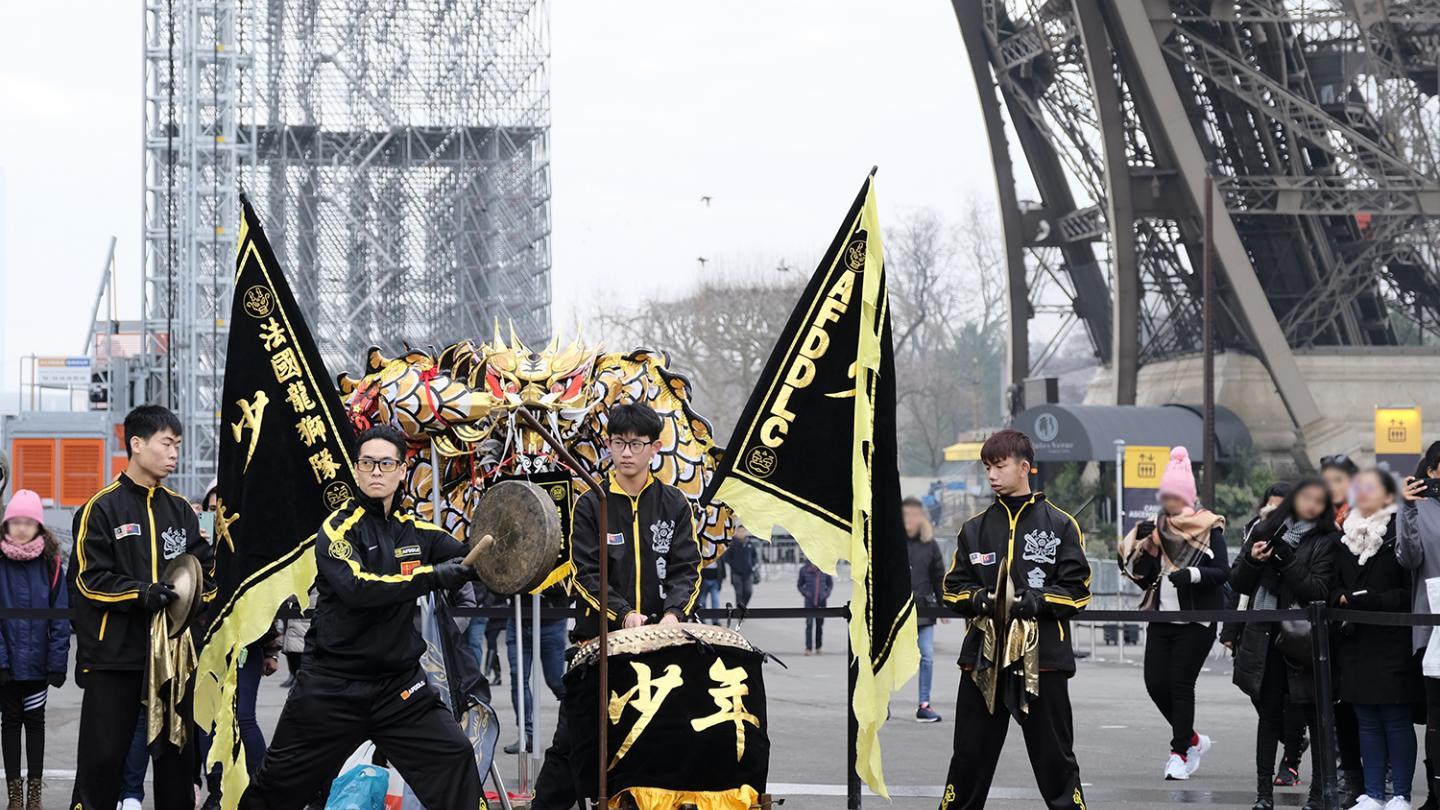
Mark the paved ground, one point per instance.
(1121, 741)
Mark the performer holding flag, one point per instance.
(1017, 647)
(814, 451)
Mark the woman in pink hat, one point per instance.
(33, 652)
(1180, 561)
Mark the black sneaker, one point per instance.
(925, 714)
(1289, 776)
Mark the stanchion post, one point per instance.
(519, 677)
(1324, 741)
(852, 774)
(535, 662)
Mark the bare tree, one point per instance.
(719, 335)
(947, 298)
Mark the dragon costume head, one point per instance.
(459, 410)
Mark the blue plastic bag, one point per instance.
(360, 788)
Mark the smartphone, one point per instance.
(207, 525)
(1432, 487)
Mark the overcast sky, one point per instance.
(776, 110)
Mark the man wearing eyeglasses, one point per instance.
(361, 678)
(654, 563)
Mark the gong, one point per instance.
(524, 526)
(185, 576)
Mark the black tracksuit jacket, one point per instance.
(125, 535)
(654, 555)
(1047, 553)
(372, 565)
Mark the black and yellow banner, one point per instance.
(814, 452)
(284, 465)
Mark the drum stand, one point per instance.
(500, 786)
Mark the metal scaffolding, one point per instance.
(1318, 121)
(397, 150)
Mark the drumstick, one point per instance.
(480, 548)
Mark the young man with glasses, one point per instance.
(654, 563)
(361, 677)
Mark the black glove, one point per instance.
(1027, 606)
(159, 595)
(56, 679)
(1180, 576)
(451, 575)
(6, 676)
(982, 603)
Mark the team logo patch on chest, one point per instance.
(661, 533)
(976, 558)
(1040, 546)
(407, 551)
(407, 567)
(127, 530)
(341, 549)
(174, 542)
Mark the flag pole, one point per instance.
(604, 595)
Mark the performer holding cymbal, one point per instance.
(361, 678)
(1019, 573)
(654, 563)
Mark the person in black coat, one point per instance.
(1377, 672)
(814, 586)
(1179, 560)
(1288, 561)
(927, 583)
(1294, 742)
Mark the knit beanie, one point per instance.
(1178, 480)
(25, 504)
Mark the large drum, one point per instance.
(686, 714)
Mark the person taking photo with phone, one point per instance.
(1418, 549)
(1287, 561)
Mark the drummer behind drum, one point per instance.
(654, 564)
(361, 677)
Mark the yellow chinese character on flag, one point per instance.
(271, 335)
(311, 429)
(323, 465)
(285, 365)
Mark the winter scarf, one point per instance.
(1364, 535)
(22, 552)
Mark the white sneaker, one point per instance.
(1175, 769)
(1192, 756)
(1367, 803)
(1398, 803)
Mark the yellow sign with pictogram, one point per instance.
(1397, 431)
(1144, 465)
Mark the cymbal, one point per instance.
(186, 577)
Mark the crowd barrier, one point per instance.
(1320, 615)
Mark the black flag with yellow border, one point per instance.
(815, 452)
(284, 466)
